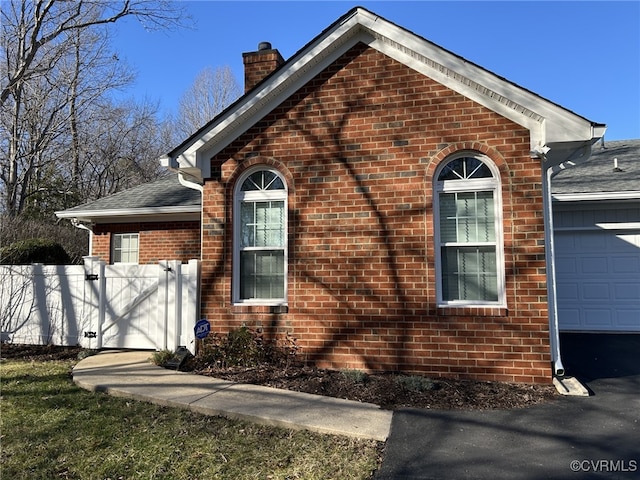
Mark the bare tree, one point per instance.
(93, 70)
(212, 91)
(121, 146)
(56, 66)
(35, 32)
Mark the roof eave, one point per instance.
(130, 214)
(547, 122)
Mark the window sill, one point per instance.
(259, 308)
(473, 310)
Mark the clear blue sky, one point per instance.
(584, 56)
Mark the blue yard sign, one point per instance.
(202, 328)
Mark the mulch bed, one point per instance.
(388, 391)
(385, 390)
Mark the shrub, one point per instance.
(162, 357)
(355, 376)
(35, 250)
(415, 383)
(243, 347)
(74, 240)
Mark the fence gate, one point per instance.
(102, 306)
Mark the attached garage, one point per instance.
(597, 241)
(598, 280)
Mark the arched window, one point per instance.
(468, 232)
(260, 238)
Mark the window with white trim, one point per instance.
(468, 228)
(260, 238)
(125, 247)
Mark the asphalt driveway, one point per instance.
(573, 438)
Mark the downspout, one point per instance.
(554, 330)
(78, 224)
(195, 186)
(554, 161)
(168, 163)
(195, 174)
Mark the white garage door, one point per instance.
(598, 280)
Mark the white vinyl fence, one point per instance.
(101, 306)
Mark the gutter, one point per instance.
(596, 196)
(87, 215)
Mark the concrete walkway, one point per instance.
(130, 374)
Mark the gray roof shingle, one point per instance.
(597, 173)
(166, 192)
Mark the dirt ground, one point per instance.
(387, 390)
(392, 391)
(39, 353)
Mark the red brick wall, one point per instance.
(158, 240)
(359, 146)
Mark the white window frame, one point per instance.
(113, 247)
(470, 185)
(256, 196)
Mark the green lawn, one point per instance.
(51, 429)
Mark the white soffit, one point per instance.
(130, 214)
(547, 122)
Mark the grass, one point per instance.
(50, 428)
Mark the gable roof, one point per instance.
(165, 197)
(597, 177)
(550, 124)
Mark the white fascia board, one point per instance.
(281, 86)
(130, 214)
(546, 121)
(596, 196)
(448, 74)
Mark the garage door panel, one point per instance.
(597, 318)
(627, 264)
(598, 280)
(567, 265)
(570, 317)
(568, 291)
(594, 265)
(595, 291)
(592, 243)
(627, 291)
(628, 319)
(565, 242)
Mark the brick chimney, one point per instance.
(257, 65)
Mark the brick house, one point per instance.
(383, 200)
